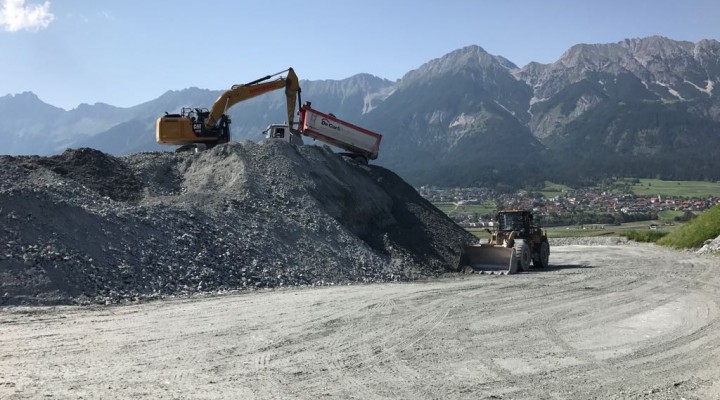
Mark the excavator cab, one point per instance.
(189, 129)
(197, 117)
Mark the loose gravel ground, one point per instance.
(603, 322)
(84, 227)
(312, 248)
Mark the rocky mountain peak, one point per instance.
(360, 83)
(24, 98)
(669, 69)
(590, 56)
(27, 104)
(470, 58)
(657, 46)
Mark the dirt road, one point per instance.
(604, 322)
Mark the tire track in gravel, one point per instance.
(335, 339)
(665, 346)
(345, 364)
(370, 351)
(657, 293)
(359, 356)
(420, 326)
(641, 299)
(647, 296)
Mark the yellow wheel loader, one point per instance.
(516, 242)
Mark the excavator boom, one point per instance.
(196, 126)
(255, 88)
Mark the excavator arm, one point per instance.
(195, 127)
(255, 88)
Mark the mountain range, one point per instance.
(644, 107)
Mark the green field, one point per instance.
(480, 209)
(666, 222)
(553, 189)
(607, 230)
(648, 187)
(669, 215)
(592, 230)
(695, 232)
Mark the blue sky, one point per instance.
(127, 52)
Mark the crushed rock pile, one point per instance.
(711, 246)
(85, 227)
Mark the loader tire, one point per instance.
(523, 255)
(543, 256)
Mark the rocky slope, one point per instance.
(458, 120)
(711, 246)
(84, 226)
(641, 107)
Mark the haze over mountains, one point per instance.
(641, 107)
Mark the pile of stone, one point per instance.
(711, 246)
(86, 227)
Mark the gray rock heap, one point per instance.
(86, 227)
(711, 246)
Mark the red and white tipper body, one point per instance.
(331, 130)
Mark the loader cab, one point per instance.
(515, 221)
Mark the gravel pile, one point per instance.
(711, 246)
(85, 227)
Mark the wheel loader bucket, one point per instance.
(490, 259)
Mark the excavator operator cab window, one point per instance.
(202, 114)
(278, 133)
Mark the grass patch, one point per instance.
(648, 187)
(670, 215)
(592, 230)
(694, 233)
(552, 189)
(480, 233)
(644, 236)
(576, 231)
(450, 208)
(637, 231)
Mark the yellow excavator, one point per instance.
(200, 128)
(515, 242)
